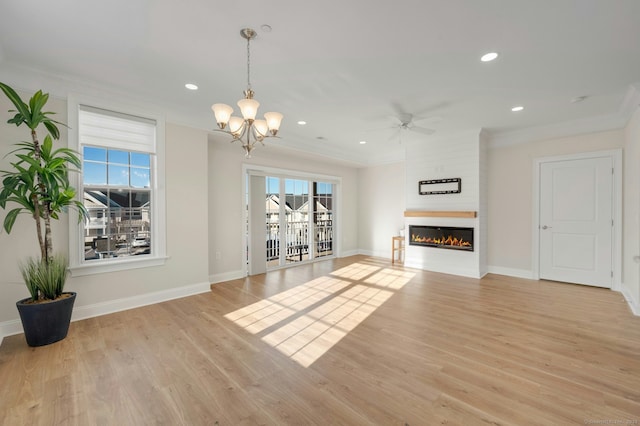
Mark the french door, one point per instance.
(290, 220)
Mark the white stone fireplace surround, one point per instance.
(462, 156)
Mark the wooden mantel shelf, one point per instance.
(439, 213)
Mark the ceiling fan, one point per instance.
(404, 122)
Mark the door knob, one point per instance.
(546, 227)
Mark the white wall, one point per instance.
(186, 269)
(458, 156)
(510, 178)
(631, 212)
(381, 203)
(226, 203)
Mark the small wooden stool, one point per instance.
(399, 248)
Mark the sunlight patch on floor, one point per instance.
(267, 312)
(306, 336)
(390, 278)
(356, 271)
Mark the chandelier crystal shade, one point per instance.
(246, 129)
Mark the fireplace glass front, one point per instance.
(446, 237)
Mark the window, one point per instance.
(117, 195)
(119, 187)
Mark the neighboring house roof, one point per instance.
(298, 203)
(97, 198)
(319, 207)
(273, 203)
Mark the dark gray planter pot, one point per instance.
(46, 323)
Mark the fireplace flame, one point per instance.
(443, 241)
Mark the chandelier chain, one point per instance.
(248, 63)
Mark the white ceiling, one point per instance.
(345, 67)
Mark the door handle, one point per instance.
(546, 227)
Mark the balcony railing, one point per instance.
(297, 240)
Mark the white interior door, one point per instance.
(576, 221)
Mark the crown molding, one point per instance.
(601, 123)
(554, 131)
(631, 102)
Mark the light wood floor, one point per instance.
(437, 349)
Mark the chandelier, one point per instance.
(247, 130)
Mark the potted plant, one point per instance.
(38, 184)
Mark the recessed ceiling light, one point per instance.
(488, 57)
(191, 86)
(363, 142)
(517, 108)
(266, 28)
(302, 122)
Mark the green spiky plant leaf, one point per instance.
(38, 185)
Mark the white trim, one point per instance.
(630, 103)
(226, 276)
(348, 253)
(633, 304)
(616, 244)
(117, 305)
(257, 170)
(378, 253)
(511, 272)
(9, 328)
(560, 130)
(123, 264)
(159, 224)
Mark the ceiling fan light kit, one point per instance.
(247, 130)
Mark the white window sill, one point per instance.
(101, 267)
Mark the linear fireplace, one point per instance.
(447, 237)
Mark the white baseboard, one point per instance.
(9, 328)
(511, 272)
(227, 276)
(348, 253)
(633, 304)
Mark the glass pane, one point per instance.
(322, 219)
(119, 199)
(94, 154)
(141, 160)
(120, 157)
(273, 185)
(118, 175)
(140, 198)
(297, 230)
(273, 217)
(140, 177)
(323, 188)
(94, 173)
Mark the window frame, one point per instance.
(77, 264)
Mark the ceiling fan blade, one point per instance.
(398, 109)
(397, 121)
(422, 130)
(430, 120)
